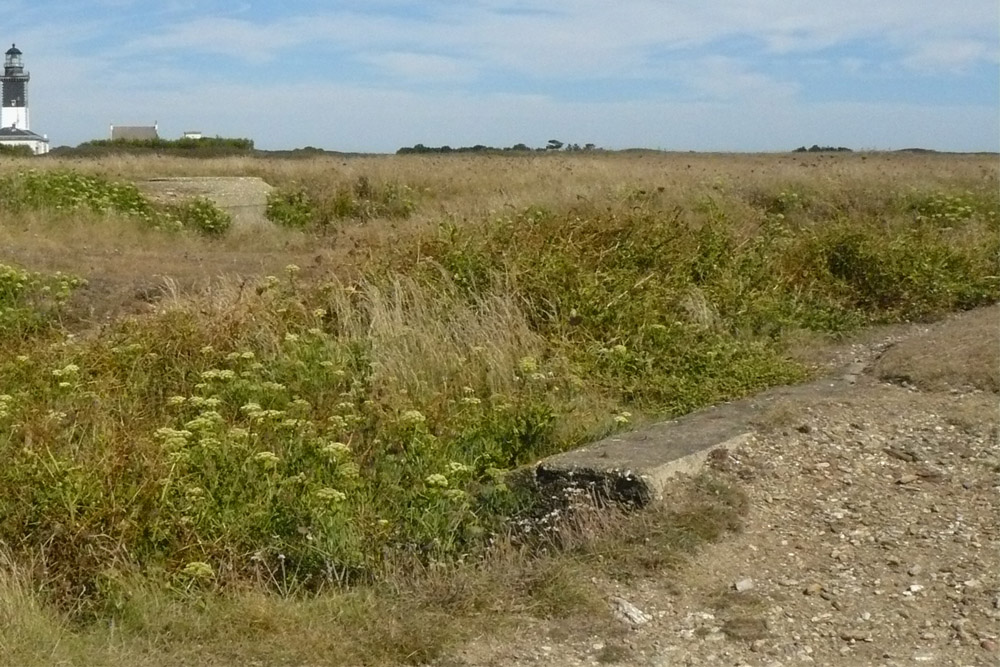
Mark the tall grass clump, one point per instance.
(318, 206)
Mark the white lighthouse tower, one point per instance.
(15, 129)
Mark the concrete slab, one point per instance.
(635, 468)
(243, 197)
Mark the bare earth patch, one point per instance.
(873, 535)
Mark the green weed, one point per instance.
(201, 215)
(30, 302)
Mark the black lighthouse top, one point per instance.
(14, 79)
(12, 60)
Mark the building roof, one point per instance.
(134, 132)
(17, 134)
(14, 51)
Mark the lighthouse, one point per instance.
(15, 129)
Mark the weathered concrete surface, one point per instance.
(636, 467)
(243, 197)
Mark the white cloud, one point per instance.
(580, 38)
(723, 78)
(951, 55)
(421, 67)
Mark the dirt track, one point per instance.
(873, 536)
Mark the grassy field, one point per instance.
(291, 442)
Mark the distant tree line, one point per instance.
(203, 147)
(552, 145)
(822, 149)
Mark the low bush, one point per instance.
(201, 215)
(30, 302)
(303, 207)
(66, 190)
(274, 438)
(291, 208)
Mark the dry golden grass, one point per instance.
(961, 353)
(470, 185)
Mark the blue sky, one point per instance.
(747, 75)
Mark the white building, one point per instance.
(15, 129)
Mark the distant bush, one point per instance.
(553, 145)
(16, 151)
(184, 143)
(204, 147)
(822, 149)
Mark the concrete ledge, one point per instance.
(243, 197)
(635, 468)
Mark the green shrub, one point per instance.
(917, 272)
(202, 215)
(263, 447)
(291, 208)
(673, 311)
(68, 190)
(30, 302)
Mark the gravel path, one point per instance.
(873, 538)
